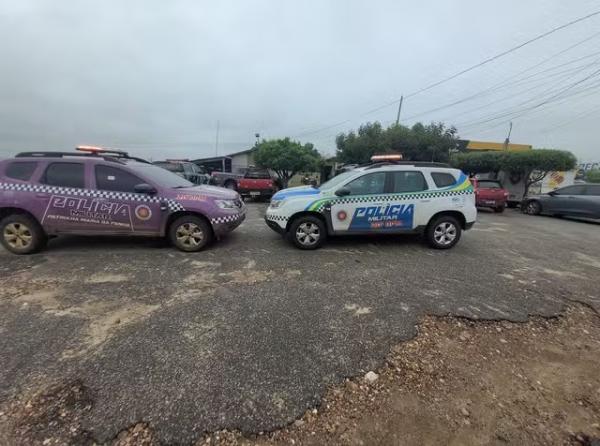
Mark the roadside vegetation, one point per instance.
(533, 165)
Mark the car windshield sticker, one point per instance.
(392, 216)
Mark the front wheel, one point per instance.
(190, 233)
(533, 208)
(22, 234)
(307, 232)
(444, 232)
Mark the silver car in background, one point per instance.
(578, 200)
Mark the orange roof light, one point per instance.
(389, 157)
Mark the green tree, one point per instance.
(593, 176)
(359, 147)
(286, 157)
(532, 165)
(431, 142)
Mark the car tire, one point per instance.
(22, 234)
(443, 232)
(499, 209)
(190, 233)
(532, 207)
(307, 232)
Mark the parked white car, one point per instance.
(383, 197)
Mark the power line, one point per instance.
(534, 98)
(504, 53)
(454, 76)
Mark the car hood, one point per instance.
(296, 192)
(204, 190)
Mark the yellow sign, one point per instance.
(497, 146)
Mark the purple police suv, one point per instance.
(106, 192)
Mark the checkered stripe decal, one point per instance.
(375, 198)
(173, 205)
(276, 217)
(226, 219)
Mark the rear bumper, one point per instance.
(482, 203)
(267, 193)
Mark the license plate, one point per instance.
(254, 194)
(489, 202)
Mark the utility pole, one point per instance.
(399, 109)
(217, 139)
(507, 140)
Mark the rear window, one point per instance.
(20, 170)
(443, 179)
(258, 174)
(487, 184)
(65, 175)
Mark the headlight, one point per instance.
(275, 204)
(226, 204)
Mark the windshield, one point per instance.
(160, 176)
(337, 180)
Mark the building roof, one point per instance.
(242, 152)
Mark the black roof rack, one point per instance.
(107, 155)
(404, 163)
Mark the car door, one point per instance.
(367, 206)
(592, 200)
(569, 200)
(63, 196)
(122, 209)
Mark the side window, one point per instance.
(443, 179)
(65, 175)
(571, 190)
(409, 181)
(372, 183)
(114, 179)
(593, 189)
(20, 170)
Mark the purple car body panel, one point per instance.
(93, 210)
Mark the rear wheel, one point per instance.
(532, 207)
(22, 234)
(190, 233)
(307, 232)
(444, 232)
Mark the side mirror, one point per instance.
(144, 188)
(342, 192)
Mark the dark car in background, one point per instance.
(578, 200)
(185, 169)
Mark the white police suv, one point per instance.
(384, 197)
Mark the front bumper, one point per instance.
(274, 226)
(225, 224)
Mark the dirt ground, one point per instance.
(458, 382)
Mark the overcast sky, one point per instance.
(156, 76)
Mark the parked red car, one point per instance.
(490, 194)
